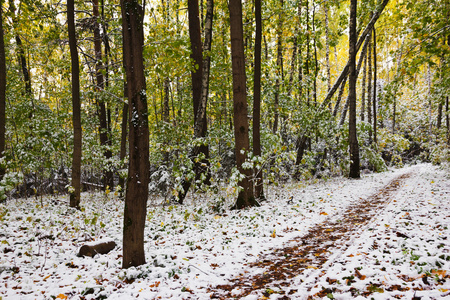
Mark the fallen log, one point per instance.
(92, 250)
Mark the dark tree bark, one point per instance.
(2, 92)
(76, 108)
(138, 170)
(246, 197)
(353, 139)
(200, 90)
(259, 184)
(104, 128)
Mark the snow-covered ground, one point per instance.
(403, 252)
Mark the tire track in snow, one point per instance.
(310, 253)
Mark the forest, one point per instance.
(162, 103)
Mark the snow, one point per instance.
(196, 246)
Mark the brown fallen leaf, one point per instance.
(359, 275)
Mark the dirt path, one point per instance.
(311, 251)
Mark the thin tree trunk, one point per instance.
(339, 98)
(327, 45)
(374, 99)
(259, 186)
(353, 138)
(76, 109)
(135, 208)
(363, 92)
(246, 197)
(104, 132)
(2, 93)
(447, 117)
(369, 87)
(123, 138)
(358, 69)
(279, 71)
(200, 87)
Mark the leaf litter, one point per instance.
(381, 237)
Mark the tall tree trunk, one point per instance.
(358, 69)
(339, 98)
(2, 92)
(447, 118)
(327, 45)
(76, 109)
(123, 138)
(135, 208)
(369, 87)
(353, 139)
(104, 134)
(279, 71)
(21, 55)
(374, 99)
(246, 197)
(259, 184)
(200, 88)
(203, 167)
(363, 92)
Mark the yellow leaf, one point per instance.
(273, 234)
(324, 213)
(61, 296)
(443, 290)
(217, 217)
(311, 267)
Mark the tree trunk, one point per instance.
(2, 93)
(104, 129)
(327, 45)
(138, 171)
(447, 118)
(123, 140)
(369, 87)
(279, 71)
(242, 144)
(358, 69)
(363, 92)
(374, 99)
(200, 89)
(76, 109)
(339, 98)
(21, 56)
(353, 139)
(259, 184)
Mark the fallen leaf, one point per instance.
(359, 275)
(61, 296)
(324, 213)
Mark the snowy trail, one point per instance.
(382, 237)
(322, 246)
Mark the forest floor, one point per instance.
(385, 236)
